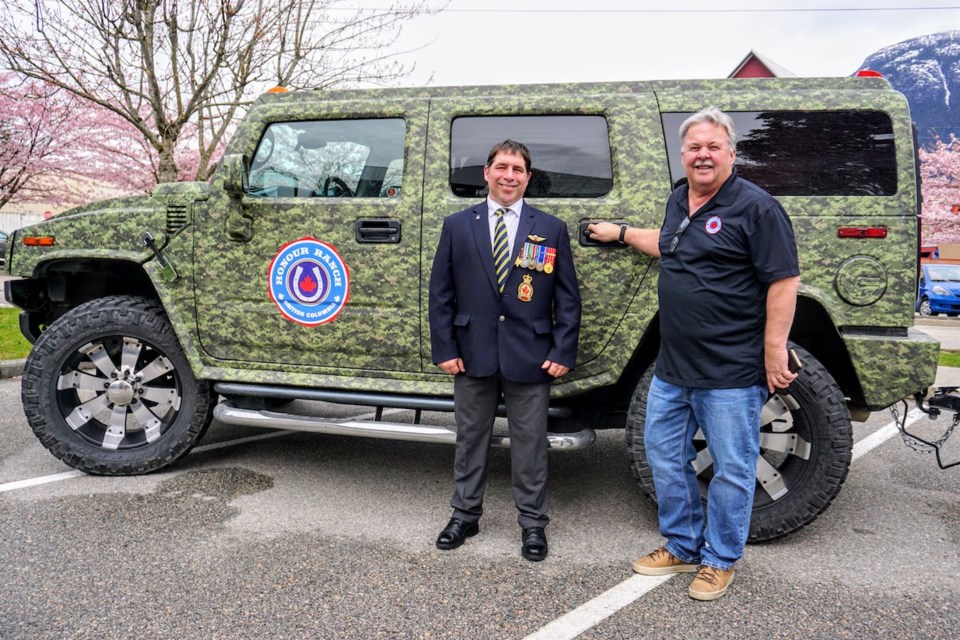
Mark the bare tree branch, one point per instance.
(181, 71)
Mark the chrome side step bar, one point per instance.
(227, 413)
(364, 398)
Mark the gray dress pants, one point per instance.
(475, 405)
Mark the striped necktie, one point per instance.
(501, 249)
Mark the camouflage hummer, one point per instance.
(300, 271)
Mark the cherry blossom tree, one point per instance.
(58, 149)
(180, 71)
(55, 149)
(940, 175)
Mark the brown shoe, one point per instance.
(710, 583)
(661, 562)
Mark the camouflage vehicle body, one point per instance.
(853, 324)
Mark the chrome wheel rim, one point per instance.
(118, 392)
(785, 450)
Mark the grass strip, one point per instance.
(13, 345)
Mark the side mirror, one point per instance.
(235, 169)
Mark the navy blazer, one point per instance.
(470, 319)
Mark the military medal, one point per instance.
(525, 290)
(549, 259)
(539, 258)
(523, 258)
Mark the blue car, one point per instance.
(939, 290)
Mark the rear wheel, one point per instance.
(108, 390)
(806, 441)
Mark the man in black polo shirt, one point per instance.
(728, 288)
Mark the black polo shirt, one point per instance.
(713, 286)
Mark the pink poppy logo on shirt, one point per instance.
(713, 225)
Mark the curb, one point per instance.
(919, 321)
(11, 368)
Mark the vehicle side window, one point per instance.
(329, 158)
(807, 153)
(571, 154)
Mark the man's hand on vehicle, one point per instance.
(604, 231)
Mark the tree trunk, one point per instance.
(167, 170)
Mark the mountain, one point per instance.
(926, 70)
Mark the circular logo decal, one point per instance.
(309, 282)
(713, 225)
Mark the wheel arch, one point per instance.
(814, 330)
(57, 286)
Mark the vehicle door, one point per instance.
(594, 157)
(317, 264)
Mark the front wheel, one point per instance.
(108, 390)
(806, 443)
(925, 309)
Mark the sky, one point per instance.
(533, 41)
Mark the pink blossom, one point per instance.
(940, 173)
(58, 149)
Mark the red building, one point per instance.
(757, 66)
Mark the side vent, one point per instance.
(176, 218)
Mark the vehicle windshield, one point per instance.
(944, 273)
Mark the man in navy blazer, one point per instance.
(509, 330)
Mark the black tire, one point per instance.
(925, 309)
(805, 450)
(108, 390)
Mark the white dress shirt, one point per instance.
(511, 218)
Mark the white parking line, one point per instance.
(573, 623)
(603, 606)
(66, 475)
(33, 482)
(592, 613)
(883, 434)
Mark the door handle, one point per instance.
(588, 241)
(378, 230)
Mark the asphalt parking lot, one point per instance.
(286, 535)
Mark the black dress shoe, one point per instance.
(534, 544)
(456, 531)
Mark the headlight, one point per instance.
(940, 291)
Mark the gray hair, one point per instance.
(715, 117)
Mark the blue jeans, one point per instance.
(730, 420)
